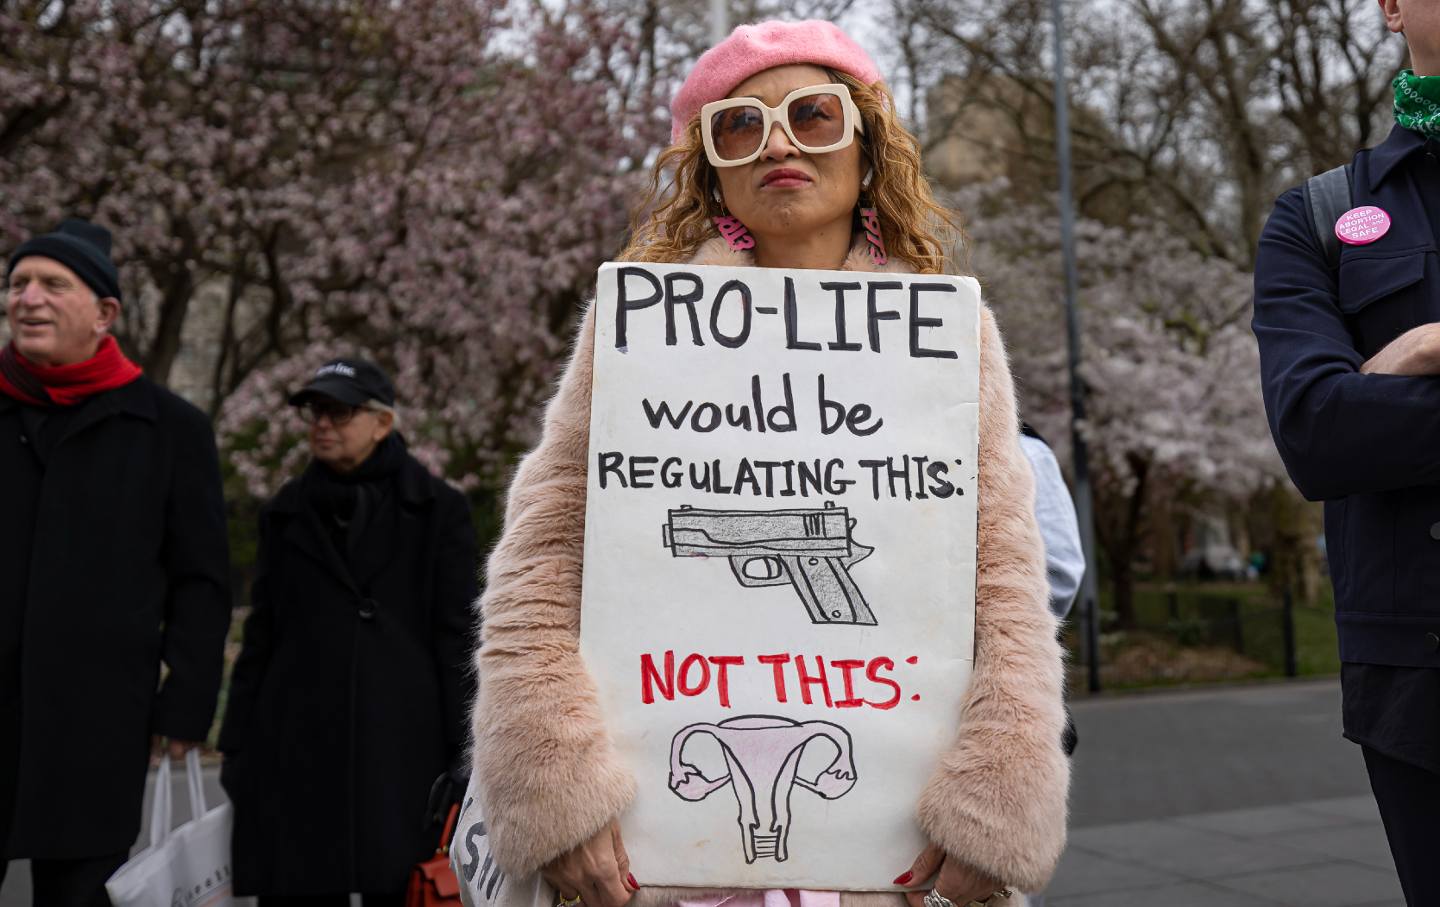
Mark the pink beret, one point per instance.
(756, 48)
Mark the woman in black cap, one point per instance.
(349, 698)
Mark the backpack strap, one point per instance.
(1327, 196)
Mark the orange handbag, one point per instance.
(433, 882)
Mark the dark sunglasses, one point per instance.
(312, 411)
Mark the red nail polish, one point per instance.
(905, 879)
(630, 877)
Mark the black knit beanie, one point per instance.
(82, 247)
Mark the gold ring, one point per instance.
(566, 902)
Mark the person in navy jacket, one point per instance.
(1350, 365)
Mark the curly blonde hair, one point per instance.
(674, 217)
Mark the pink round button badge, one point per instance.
(1362, 225)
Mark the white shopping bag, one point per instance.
(187, 867)
(482, 884)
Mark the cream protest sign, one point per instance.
(779, 581)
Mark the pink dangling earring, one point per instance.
(870, 220)
(736, 235)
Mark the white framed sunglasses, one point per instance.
(817, 119)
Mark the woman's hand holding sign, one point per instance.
(953, 880)
(597, 873)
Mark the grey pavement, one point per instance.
(1241, 797)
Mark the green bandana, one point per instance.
(1417, 103)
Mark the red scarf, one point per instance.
(65, 385)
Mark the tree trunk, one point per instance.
(1122, 580)
(177, 285)
(1164, 531)
(1123, 545)
(174, 305)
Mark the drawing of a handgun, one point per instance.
(810, 550)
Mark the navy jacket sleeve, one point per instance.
(197, 565)
(1339, 432)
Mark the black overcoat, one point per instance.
(352, 692)
(113, 558)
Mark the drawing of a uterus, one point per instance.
(762, 754)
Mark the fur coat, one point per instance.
(544, 761)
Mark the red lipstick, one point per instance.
(784, 178)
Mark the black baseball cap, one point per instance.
(352, 381)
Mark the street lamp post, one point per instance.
(1084, 505)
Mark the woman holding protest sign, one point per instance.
(786, 153)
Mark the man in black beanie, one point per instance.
(114, 559)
